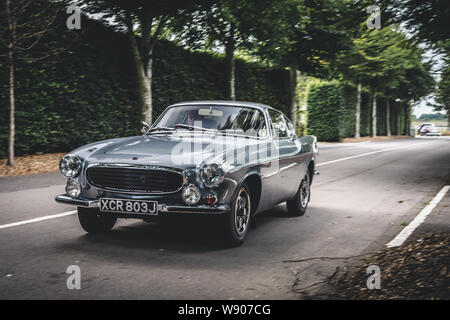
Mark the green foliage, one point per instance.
(443, 91)
(324, 104)
(427, 19)
(389, 63)
(432, 116)
(303, 84)
(301, 33)
(89, 92)
(206, 27)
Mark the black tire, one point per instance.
(236, 224)
(92, 221)
(297, 206)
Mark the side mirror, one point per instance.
(145, 127)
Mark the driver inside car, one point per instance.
(193, 119)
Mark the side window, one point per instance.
(259, 124)
(291, 130)
(251, 122)
(279, 127)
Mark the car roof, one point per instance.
(224, 103)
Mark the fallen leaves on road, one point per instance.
(39, 163)
(419, 269)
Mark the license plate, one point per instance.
(129, 206)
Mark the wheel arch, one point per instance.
(254, 182)
(310, 170)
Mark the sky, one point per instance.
(422, 107)
(438, 63)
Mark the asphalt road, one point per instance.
(364, 196)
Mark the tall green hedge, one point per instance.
(324, 104)
(89, 92)
(331, 112)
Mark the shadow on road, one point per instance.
(176, 234)
(193, 242)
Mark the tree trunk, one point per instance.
(144, 79)
(293, 93)
(448, 119)
(231, 70)
(388, 117)
(12, 107)
(147, 105)
(358, 111)
(374, 114)
(398, 122)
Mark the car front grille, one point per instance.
(130, 179)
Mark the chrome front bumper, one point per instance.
(217, 209)
(64, 198)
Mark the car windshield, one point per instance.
(226, 119)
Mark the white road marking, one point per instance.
(432, 137)
(370, 153)
(348, 144)
(19, 223)
(408, 230)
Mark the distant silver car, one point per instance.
(233, 159)
(428, 129)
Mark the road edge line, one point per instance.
(345, 144)
(54, 216)
(409, 229)
(370, 153)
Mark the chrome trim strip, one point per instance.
(218, 209)
(136, 166)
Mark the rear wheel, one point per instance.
(298, 205)
(237, 222)
(93, 221)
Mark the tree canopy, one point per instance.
(427, 20)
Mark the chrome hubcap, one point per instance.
(304, 192)
(242, 211)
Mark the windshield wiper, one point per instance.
(160, 129)
(191, 128)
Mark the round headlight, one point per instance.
(73, 188)
(211, 175)
(191, 195)
(70, 166)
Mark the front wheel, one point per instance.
(297, 206)
(92, 221)
(236, 224)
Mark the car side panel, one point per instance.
(291, 168)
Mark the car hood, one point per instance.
(175, 149)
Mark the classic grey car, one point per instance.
(226, 158)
